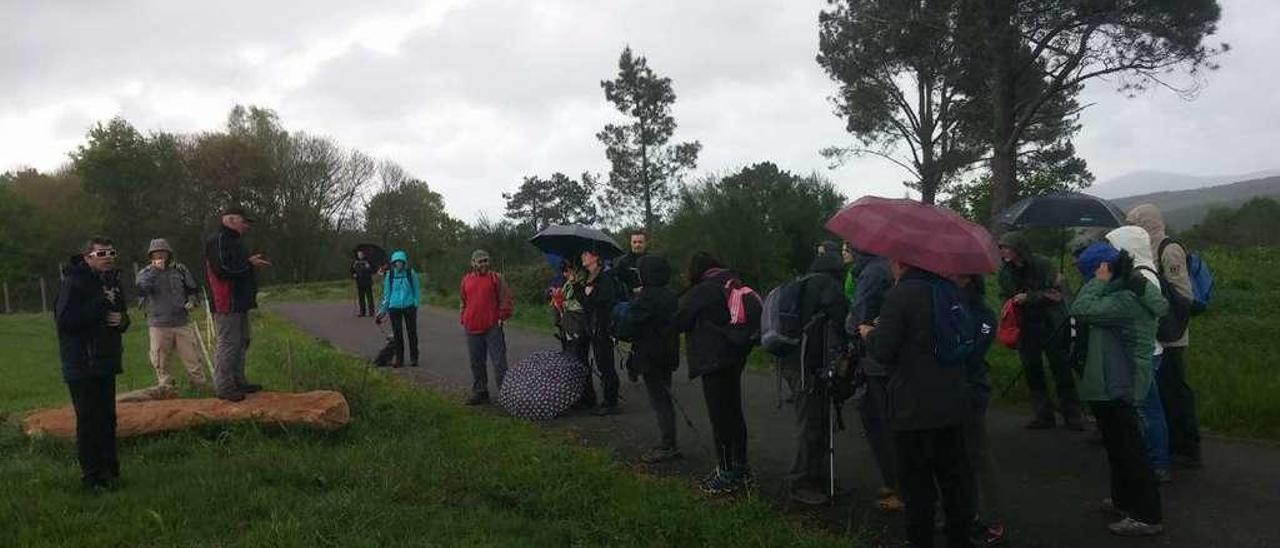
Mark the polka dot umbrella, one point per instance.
(543, 385)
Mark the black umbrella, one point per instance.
(543, 385)
(1063, 210)
(571, 240)
(372, 253)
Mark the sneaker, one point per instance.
(478, 398)
(605, 410)
(1040, 424)
(660, 454)
(1163, 475)
(720, 482)
(1129, 527)
(891, 504)
(250, 388)
(232, 397)
(809, 495)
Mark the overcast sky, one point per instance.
(472, 95)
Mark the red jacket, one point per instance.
(486, 300)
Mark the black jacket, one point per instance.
(1036, 277)
(363, 272)
(87, 346)
(233, 285)
(606, 292)
(704, 316)
(874, 282)
(922, 393)
(653, 315)
(823, 293)
(628, 269)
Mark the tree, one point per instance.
(411, 216)
(643, 165)
(1065, 44)
(901, 72)
(555, 200)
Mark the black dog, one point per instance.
(387, 355)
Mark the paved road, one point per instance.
(1052, 480)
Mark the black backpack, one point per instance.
(781, 327)
(1174, 323)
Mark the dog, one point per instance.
(387, 356)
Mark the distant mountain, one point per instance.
(1183, 209)
(1148, 182)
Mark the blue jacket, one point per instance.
(401, 288)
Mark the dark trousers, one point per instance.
(364, 295)
(930, 461)
(872, 410)
(723, 391)
(491, 346)
(657, 382)
(404, 325)
(1036, 343)
(94, 400)
(1179, 404)
(813, 424)
(601, 347)
(1134, 489)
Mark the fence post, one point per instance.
(44, 297)
(6, 298)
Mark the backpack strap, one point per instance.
(1160, 251)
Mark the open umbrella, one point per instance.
(1062, 210)
(572, 240)
(372, 253)
(922, 235)
(542, 385)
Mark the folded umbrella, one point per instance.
(922, 235)
(571, 240)
(1061, 210)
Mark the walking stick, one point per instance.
(208, 359)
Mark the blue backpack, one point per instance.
(955, 326)
(1199, 272)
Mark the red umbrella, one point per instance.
(925, 236)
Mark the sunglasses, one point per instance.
(103, 254)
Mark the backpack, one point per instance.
(1174, 323)
(955, 327)
(780, 325)
(623, 328)
(745, 308)
(1199, 272)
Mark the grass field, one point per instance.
(412, 469)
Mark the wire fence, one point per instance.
(38, 291)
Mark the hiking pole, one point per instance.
(831, 442)
(208, 360)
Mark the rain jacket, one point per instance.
(704, 316)
(922, 393)
(1035, 277)
(88, 348)
(233, 284)
(401, 289)
(486, 301)
(166, 293)
(823, 293)
(874, 281)
(1122, 316)
(653, 317)
(362, 271)
(1173, 264)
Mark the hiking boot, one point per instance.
(606, 410)
(478, 398)
(720, 482)
(660, 454)
(1129, 527)
(1163, 475)
(250, 388)
(232, 397)
(1040, 424)
(808, 495)
(891, 504)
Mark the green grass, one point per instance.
(413, 468)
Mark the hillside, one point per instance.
(1152, 182)
(1183, 209)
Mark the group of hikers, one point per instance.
(856, 326)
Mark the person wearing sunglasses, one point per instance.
(91, 314)
(233, 292)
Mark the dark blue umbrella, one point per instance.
(571, 240)
(543, 385)
(1062, 210)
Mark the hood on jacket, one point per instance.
(654, 271)
(1135, 241)
(1149, 217)
(1017, 241)
(400, 255)
(829, 262)
(75, 265)
(160, 244)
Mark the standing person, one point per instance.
(169, 293)
(1030, 281)
(1177, 397)
(988, 526)
(401, 295)
(362, 272)
(655, 348)
(1155, 428)
(627, 266)
(704, 317)
(928, 405)
(597, 292)
(822, 310)
(486, 305)
(1121, 309)
(91, 315)
(233, 292)
(852, 268)
(875, 279)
